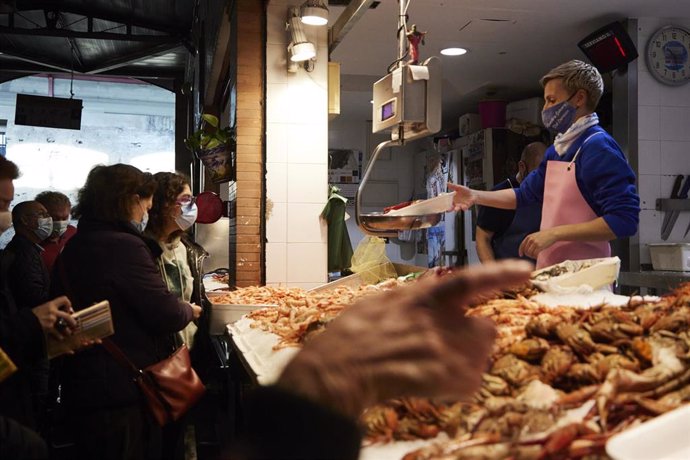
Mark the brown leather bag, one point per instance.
(171, 387)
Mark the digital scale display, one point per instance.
(388, 110)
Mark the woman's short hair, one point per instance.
(109, 190)
(168, 186)
(578, 75)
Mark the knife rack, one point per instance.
(672, 204)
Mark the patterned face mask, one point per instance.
(560, 116)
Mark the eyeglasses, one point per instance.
(186, 201)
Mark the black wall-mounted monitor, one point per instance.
(609, 48)
(48, 112)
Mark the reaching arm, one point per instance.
(594, 230)
(466, 197)
(484, 249)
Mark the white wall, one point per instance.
(296, 158)
(392, 179)
(664, 141)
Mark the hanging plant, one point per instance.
(210, 135)
(215, 147)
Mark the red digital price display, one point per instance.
(609, 48)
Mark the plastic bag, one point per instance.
(370, 261)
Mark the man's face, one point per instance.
(6, 194)
(59, 212)
(36, 211)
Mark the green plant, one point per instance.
(210, 135)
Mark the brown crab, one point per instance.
(515, 371)
(531, 349)
(556, 362)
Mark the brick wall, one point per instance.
(249, 187)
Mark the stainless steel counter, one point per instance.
(661, 281)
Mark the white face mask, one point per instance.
(45, 227)
(5, 220)
(60, 226)
(188, 216)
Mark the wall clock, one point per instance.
(668, 55)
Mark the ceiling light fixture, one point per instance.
(300, 48)
(314, 13)
(453, 51)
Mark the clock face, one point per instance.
(668, 57)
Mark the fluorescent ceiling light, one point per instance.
(453, 51)
(314, 12)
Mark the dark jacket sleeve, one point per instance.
(18, 442)
(29, 277)
(281, 424)
(21, 335)
(144, 292)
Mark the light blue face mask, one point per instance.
(141, 226)
(188, 216)
(559, 117)
(45, 227)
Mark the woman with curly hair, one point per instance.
(180, 264)
(110, 259)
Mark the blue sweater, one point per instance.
(604, 177)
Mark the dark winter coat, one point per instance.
(114, 262)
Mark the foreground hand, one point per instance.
(49, 313)
(464, 197)
(412, 341)
(196, 310)
(534, 243)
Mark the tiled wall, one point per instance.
(664, 141)
(296, 158)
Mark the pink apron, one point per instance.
(564, 204)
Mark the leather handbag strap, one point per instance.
(121, 358)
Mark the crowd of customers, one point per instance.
(131, 247)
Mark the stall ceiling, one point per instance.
(137, 38)
(510, 44)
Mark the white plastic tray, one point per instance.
(663, 438)
(441, 203)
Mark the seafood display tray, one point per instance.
(662, 438)
(579, 276)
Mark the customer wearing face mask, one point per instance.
(22, 336)
(109, 258)
(59, 207)
(29, 283)
(585, 184)
(29, 278)
(180, 264)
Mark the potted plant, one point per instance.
(215, 147)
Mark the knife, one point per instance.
(674, 214)
(667, 217)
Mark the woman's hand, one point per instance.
(413, 341)
(55, 317)
(464, 197)
(534, 243)
(196, 310)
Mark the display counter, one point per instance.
(566, 366)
